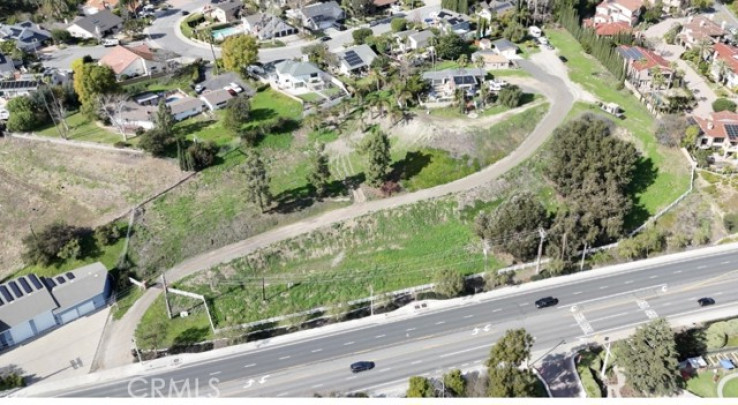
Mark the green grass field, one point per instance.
(673, 170)
(702, 385)
(82, 129)
(502, 138)
(730, 390)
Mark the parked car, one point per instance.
(185, 12)
(546, 302)
(325, 39)
(563, 59)
(360, 366)
(706, 302)
(110, 42)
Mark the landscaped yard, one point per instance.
(703, 385)
(672, 178)
(83, 129)
(311, 97)
(730, 390)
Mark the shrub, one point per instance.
(449, 283)
(591, 387)
(203, 154)
(730, 221)
(723, 104)
(107, 235)
(140, 131)
(56, 241)
(361, 35)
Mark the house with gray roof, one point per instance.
(186, 107)
(217, 99)
(356, 59)
(98, 25)
(30, 305)
(320, 16)
(15, 88)
(227, 11)
(492, 8)
(290, 74)
(267, 26)
(7, 66)
(449, 21)
(505, 48)
(226, 81)
(27, 35)
(444, 83)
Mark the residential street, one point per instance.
(116, 350)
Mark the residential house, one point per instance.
(505, 48)
(228, 11)
(186, 107)
(27, 35)
(718, 131)
(98, 25)
(492, 59)
(444, 83)
(94, 6)
(267, 26)
(640, 66)
(356, 59)
(490, 9)
(609, 11)
(132, 61)
(724, 67)
(674, 6)
(228, 81)
(449, 21)
(699, 31)
(386, 5)
(484, 44)
(139, 114)
(612, 28)
(292, 74)
(320, 16)
(7, 67)
(15, 88)
(216, 99)
(30, 305)
(413, 40)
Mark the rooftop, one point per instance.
(75, 287)
(102, 20)
(296, 68)
(722, 124)
(22, 299)
(120, 57)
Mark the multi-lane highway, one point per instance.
(456, 337)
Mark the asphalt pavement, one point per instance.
(457, 337)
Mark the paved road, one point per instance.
(116, 351)
(460, 337)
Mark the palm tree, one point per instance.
(376, 77)
(416, 86)
(484, 92)
(401, 93)
(479, 61)
(463, 60)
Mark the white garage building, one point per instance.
(30, 304)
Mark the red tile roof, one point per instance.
(631, 5)
(122, 56)
(650, 60)
(380, 3)
(613, 28)
(719, 120)
(702, 28)
(729, 54)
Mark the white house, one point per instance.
(355, 59)
(267, 26)
(132, 61)
(217, 99)
(186, 107)
(320, 16)
(724, 67)
(27, 35)
(98, 25)
(505, 48)
(227, 11)
(292, 74)
(610, 11)
(491, 8)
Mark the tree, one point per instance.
(514, 32)
(653, 13)
(155, 141)
(450, 46)
(506, 378)
(202, 154)
(398, 24)
(449, 283)
(164, 119)
(320, 172)
(320, 55)
(26, 114)
(690, 136)
(360, 35)
(513, 226)
(510, 96)
(511, 382)
(420, 387)
(61, 36)
(649, 359)
(106, 235)
(703, 4)
(239, 52)
(111, 106)
(455, 383)
(91, 79)
(45, 247)
(377, 146)
(671, 129)
(513, 349)
(723, 104)
(257, 180)
(237, 113)
(358, 8)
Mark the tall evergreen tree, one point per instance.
(506, 377)
(257, 180)
(320, 172)
(377, 146)
(164, 119)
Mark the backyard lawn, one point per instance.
(702, 385)
(672, 178)
(83, 129)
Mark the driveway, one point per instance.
(556, 88)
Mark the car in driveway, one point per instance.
(546, 302)
(705, 302)
(360, 366)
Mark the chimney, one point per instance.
(702, 23)
(722, 25)
(710, 124)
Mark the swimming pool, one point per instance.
(223, 33)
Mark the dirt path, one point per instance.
(556, 88)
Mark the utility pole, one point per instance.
(584, 253)
(607, 357)
(542, 234)
(371, 300)
(138, 352)
(166, 296)
(263, 289)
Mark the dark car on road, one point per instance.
(360, 366)
(706, 301)
(325, 39)
(563, 59)
(546, 302)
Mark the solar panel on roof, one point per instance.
(24, 284)
(1, 303)
(49, 282)
(70, 275)
(6, 294)
(16, 290)
(61, 280)
(732, 130)
(35, 281)
(352, 59)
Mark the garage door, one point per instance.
(44, 321)
(86, 308)
(69, 316)
(21, 332)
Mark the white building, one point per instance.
(132, 61)
(611, 11)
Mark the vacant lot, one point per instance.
(41, 183)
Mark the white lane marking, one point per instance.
(643, 304)
(701, 267)
(379, 336)
(215, 372)
(425, 374)
(652, 277)
(477, 361)
(416, 362)
(693, 298)
(651, 314)
(475, 331)
(583, 323)
(468, 316)
(316, 350)
(385, 369)
(497, 310)
(524, 304)
(677, 272)
(718, 293)
(603, 287)
(283, 394)
(249, 365)
(611, 296)
(440, 322)
(351, 377)
(284, 357)
(348, 343)
(576, 293)
(317, 385)
(725, 262)
(628, 282)
(409, 330)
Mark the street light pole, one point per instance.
(607, 357)
(138, 352)
(371, 300)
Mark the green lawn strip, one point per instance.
(730, 389)
(311, 97)
(125, 300)
(588, 361)
(83, 129)
(702, 385)
(509, 72)
(441, 168)
(193, 328)
(672, 178)
(446, 64)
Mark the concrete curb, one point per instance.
(582, 392)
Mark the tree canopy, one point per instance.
(237, 113)
(449, 282)
(377, 147)
(420, 387)
(320, 173)
(239, 51)
(450, 46)
(257, 180)
(506, 378)
(91, 80)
